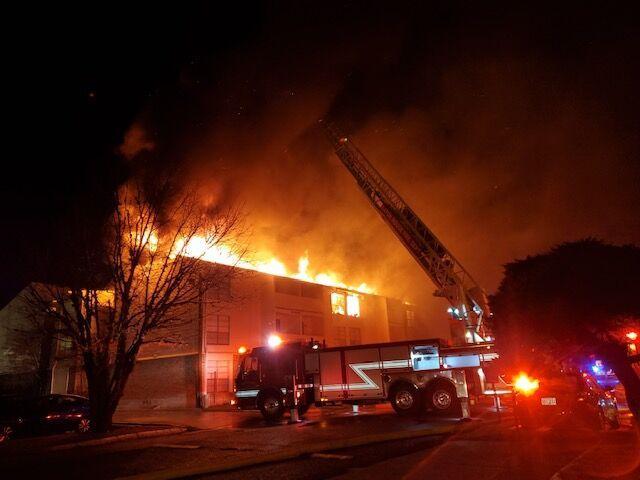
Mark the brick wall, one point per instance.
(162, 383)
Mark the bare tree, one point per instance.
(137, 285)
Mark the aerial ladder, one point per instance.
(468, 301)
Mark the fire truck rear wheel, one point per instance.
(271, 406)
(405, 399)
(442, 398)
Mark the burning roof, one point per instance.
(267, 263)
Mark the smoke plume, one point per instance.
(503, 139)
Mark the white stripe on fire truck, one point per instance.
(247, 393)
(254, 393)
(359, 368)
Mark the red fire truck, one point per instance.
(415, 376)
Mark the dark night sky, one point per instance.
(508, 128)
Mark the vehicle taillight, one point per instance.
(525, 384)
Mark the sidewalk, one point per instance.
(63, 441)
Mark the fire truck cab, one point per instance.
(414, 376)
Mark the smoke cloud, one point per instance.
(505, 140)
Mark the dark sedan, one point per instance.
(578, 395)
(21, 415)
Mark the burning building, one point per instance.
(196, 365)
(193, 363)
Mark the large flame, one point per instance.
(198, 247)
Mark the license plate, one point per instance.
(548, 401)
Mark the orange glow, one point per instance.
(353, 305)
(105, 297)
(274, 341)
(200, 248)
(242, 350)
(632, 336)
(526, 385)
(337, 303)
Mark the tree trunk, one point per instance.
(98, 382)
(102, 398)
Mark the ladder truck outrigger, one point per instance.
(413, 375)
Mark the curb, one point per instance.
(289, 453)
(120, 438)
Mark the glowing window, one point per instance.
(411, 317)
(338, 303)
(353, 305)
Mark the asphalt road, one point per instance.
(565, 449)
(381, 460)
(481, 449)
(226, 436)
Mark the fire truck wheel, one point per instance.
(442, 399)
(271, 405)
(405, 399)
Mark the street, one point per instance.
(222, 436)
(486, 447)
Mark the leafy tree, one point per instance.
(136, 284)
(577, 300)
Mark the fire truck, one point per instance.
(414, 376)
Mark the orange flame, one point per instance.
(200, 248)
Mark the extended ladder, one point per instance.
(467, 299)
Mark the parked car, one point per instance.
(22, 415)
(572, 394)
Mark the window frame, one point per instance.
(213, 330)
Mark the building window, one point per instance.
(354, 336)
(345, 304)
(222, 289)
(340, 336)
(411, 317)
(298, 323)
(287, 323)
(65, 346)
(287, 286)
(311, 290)
(218, 330)
(353, 305)
(218, 376)
(338, 303)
